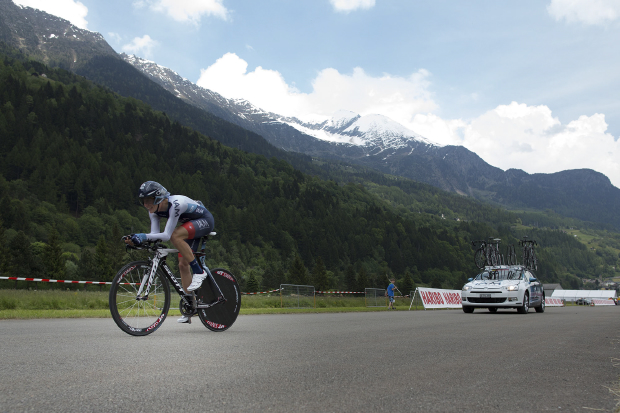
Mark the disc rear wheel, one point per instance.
(221, 316)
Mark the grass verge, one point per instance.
(28, 304)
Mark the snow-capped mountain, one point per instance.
(346, 134)
(380, 143)
(54, 40)
(348, 127)
(373, 141)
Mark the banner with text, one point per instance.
(437, 298)
(600, 301)
(554, 302)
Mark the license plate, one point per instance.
(485, 295)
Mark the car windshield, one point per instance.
(500, 275)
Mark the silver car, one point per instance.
(504, 286)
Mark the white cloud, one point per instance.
(71, 10)
(400, 98)
(186, 10)
(530, 138)
(141, 46)
(590, 12)
(117, 38)
(509, 136)
(351, 5)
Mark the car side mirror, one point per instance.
(532, 279)
(470, 279)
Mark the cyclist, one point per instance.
(196, 222)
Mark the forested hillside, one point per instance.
(73, 154)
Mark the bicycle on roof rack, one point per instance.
(487, 254)
(529, 255)
(140, 293)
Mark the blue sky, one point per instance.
(529, 84)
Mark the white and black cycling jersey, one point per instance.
(180, 209)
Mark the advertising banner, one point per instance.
(554, 302)
(437, 298)
(599, 301)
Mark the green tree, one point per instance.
(103, 266)
(53, 259)
(362, 279)
(349, 279)
(252, 285)
(319, 275)
(23, 263)
(87, 269)
(297, 272)
(280, 277)
(118, 255)
(269, 278)
(407, 284)
(4, 252)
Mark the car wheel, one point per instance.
(468, 310)
(541, 307)
(493, 309)
(526, 304)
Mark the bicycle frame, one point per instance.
(159, 260)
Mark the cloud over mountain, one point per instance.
(141, 45)
(400, 98)
(71, 10)
(514, 135)
(186, 10)
(351, 5)
(589, 12)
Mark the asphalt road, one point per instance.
(561, 360)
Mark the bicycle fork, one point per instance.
(147, 280)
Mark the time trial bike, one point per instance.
(529, 254)
(140, 293)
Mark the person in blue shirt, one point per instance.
(390, 293)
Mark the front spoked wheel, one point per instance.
(511, 256)
(138, 316)
(479, 258)
(221, 316)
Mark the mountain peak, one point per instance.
(342, 118)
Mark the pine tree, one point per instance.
(269, 278)
(103, 266)
(54, 262)
(407, 285)
(4, 252)
(362, 279)
(349, 279)
(116, 248)
(252, 285)
(22, 260)
(280, 277)
(297, 272)
(319, 275)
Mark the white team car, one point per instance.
(504, 286)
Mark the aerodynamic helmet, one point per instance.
(154, 190)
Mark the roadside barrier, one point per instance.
(596, 301)
(554, 302)
(437, 298)
(51, 280)
(262, 292)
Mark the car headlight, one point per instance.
(467, 287)
(512, 287)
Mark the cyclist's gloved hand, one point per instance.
(137, 239)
